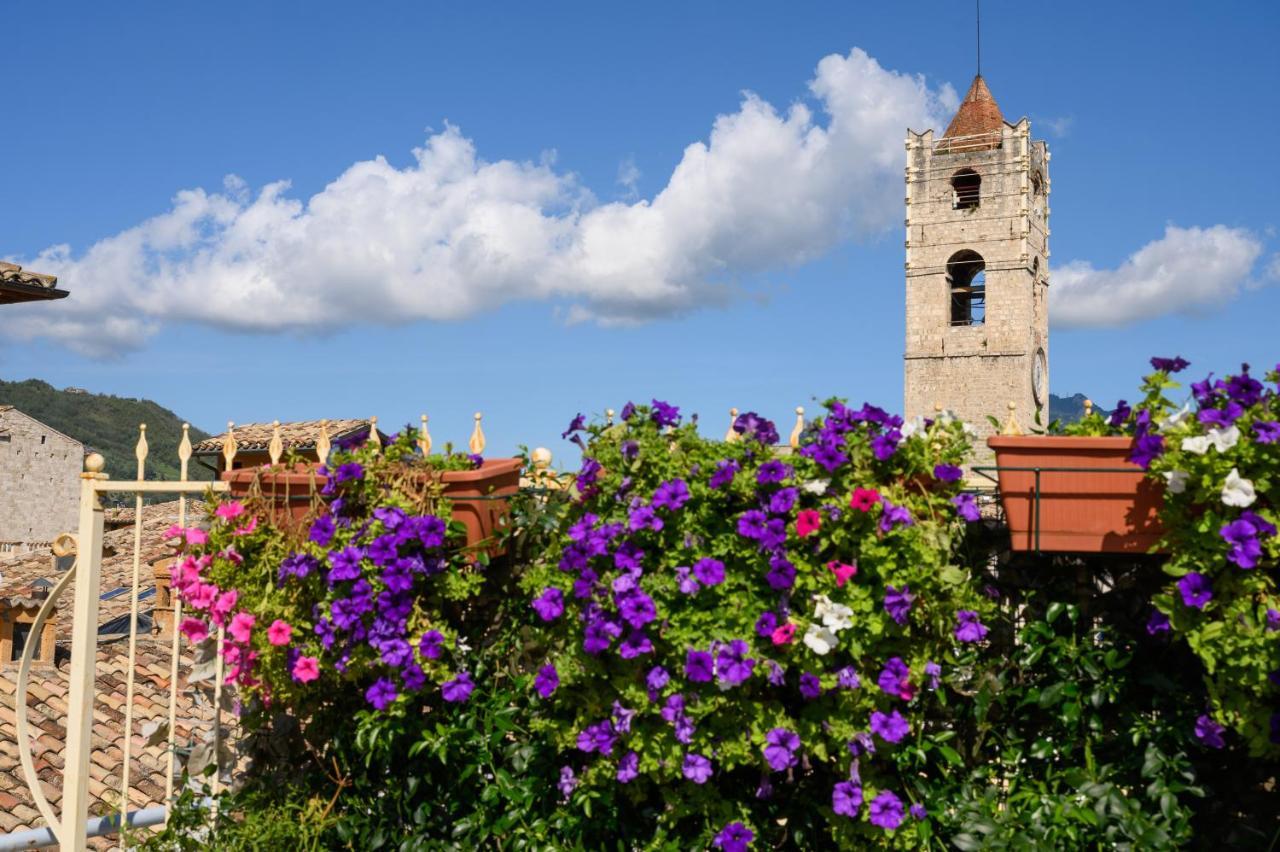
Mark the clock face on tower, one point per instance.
(1039, 369)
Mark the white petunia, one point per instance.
(836, 616)
(1177, 480)
(1238, 491)
(1198, 445)
(820, 640)
(1175, 419)
(1224, 439)
(817, 486)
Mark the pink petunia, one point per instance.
(783, 634)
(201, 595)
(279, 633)
(808, 522)
(197, 536)
(231, 654)
(306, 669)
(842, 571)
(241, 626)
(174, 531)
(227, 511)
(194, 629)
(248, 528)
(223, 606)
(864, 499)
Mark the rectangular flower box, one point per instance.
(1076, 495)
(478, 497)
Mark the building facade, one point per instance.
(977, 269)
(39, 481)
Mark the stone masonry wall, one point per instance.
(39, 480)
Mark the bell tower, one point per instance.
(977, 269)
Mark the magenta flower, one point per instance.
(842, 572)
(194, 629)
(864, 499)
(968, 627)
(808, 522)
(458, 690)
(734, 837)
(1196, 590)
(891, 728)
(241, 626)
(696, 768)
(279, 633)
(306, 669)
(228, 511)
(886, 811)
(547, 680)
(846, 799)
(549, 605)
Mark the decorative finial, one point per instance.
(1011, 424)
(1088, 407)
(424, 438)
(732, 435)
(140, 451)
(476, 444)
(323, 444)
(184, 447)
(374, 438)
(275, 449)
(799, 427)
(94, 463)
(608, 417)
(229, 445)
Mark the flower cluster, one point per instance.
(711, 605)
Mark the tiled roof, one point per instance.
(300, 435)
(47, 693)
(20, 285)
(979, 113)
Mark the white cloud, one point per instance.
(450, 235)
(1187, 271)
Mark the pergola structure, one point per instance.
(19, 285)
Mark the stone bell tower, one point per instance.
(978, 269)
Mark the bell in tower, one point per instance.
(977, 268)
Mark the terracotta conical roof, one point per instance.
(978, 113)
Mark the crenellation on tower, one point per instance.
(977, 250)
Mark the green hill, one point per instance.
(108, 425)
(1069, 409)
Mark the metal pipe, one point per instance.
(39, 838)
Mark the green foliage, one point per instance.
(107, 424)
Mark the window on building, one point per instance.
(966, 189)
(967, 281)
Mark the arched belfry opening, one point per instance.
(966, 189)
(967, 281)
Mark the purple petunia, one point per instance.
(549, 605)
(1196, 590)
(636, 608)
(893, 678)
(732, 666)
(1267, 431)
(568, 781)
(886, 811)
(947, 473)
(847, 678)
(782, 574)
(698, 666)
(968, 627)
(772, 471)
(754, 427)
(891, 728)
(344, 565)
(664, 414)
(752, 524)
(966, 507)
(576, 425)
(810, 686)
(710, 572)
(655, 680)
(643, 518)
(696, 768)
(1120, 413)
(1209, 732)
(381, 693)
(628, 767)
(783, 500)
(766, 624)
(458, 690)
(725, 471)
(933, 671)
(547, 680)
(322, 530)
(734, 837)
(636, 644)
(897, 603)
(1170, 365)
(1157, 623)
(918, 812)
(846, 799)
(894, 516)
(598, 737)
(780, 748)
(671, 495)
(431, 645)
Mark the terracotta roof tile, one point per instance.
(978, 114)
(299, 435)
(21, 285)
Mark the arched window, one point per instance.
(967, 281)
(966, 189)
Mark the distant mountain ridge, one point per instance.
(1069, 409)
(106, 424)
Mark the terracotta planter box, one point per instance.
(478, 496)
(1101, 503)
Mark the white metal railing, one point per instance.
(971, 142)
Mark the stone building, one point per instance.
(977, 268)
(39, 481)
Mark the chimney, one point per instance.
(162, 625)
(17, 617)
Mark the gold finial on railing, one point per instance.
(93, 465)
(276, 448)
(476, 444)
(424, 438)
(794, 441)
(323, 444)
(140, 451)
(229, 445)
(374, 438)
(608, 417)
(1011, 424)
(1088, 407)
(731, 435)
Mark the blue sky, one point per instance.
(1156, 114)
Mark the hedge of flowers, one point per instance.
(1217, 457)
(359, 596)
(730, 624)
